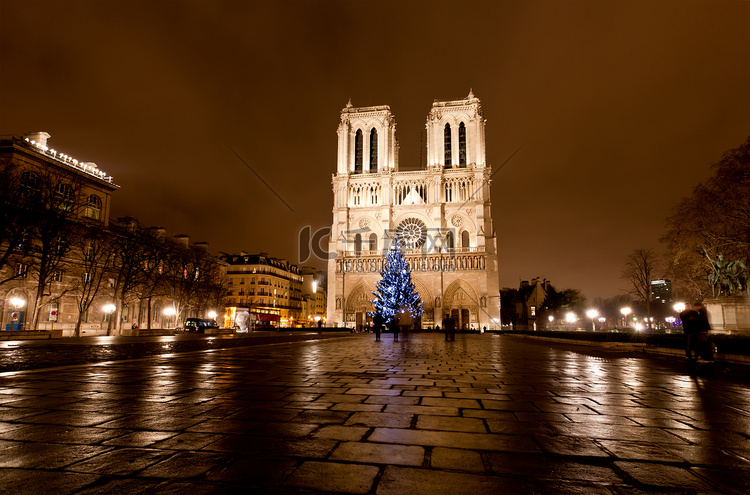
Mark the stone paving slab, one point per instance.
(483, 414)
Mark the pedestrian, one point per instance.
(394, 327)
(320, 326)
(377, 325)
(689, 319)
(449, 324)
(702, 327)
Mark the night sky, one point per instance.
(619, 109)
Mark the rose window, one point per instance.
(412, 233)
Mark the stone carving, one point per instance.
(457, 221)
(364, 223)
(729, 277)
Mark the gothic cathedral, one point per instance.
(441, 214)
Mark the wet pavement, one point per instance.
(483, 414)
(33, 354)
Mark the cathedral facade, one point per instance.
(441, 214)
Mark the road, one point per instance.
(484, 414)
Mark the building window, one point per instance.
(56, 276)
(21, 270)
(449, 241)
(465, 238)
(358, 243)
(64, 196)
(29, 184)
(373, 150)
(358, 152)
(94, 207)
(373, 242)
(462, 145)
(447, 145)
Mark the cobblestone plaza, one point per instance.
(483, 414)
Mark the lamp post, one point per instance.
(625, 312)
(17, 304)
(169, 312)
(570, 317)
(592, 313)
(551, 319)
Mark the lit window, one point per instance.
(93, 207)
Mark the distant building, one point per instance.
(661, 291)
(531, 298)
(314, 295)
(262, 291)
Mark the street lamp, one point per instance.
(169, 311)
(625, 312)
(571, 317)
(679, 307)
(17, 303)
(592, 313)
(212, 314)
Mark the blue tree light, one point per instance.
(395, 291)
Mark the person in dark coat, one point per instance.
(704, 347)
(377, 325)
(449, 325)
(689, 319)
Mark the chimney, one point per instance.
(157, 232)
(182, 239)
(202, 245)
(39, 138)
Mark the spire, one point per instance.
(349, 103)
(471, 94)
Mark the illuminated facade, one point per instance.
(441, 214)
(83, 190)
(263, 291)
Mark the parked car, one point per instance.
(199, 325)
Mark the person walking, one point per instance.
(377, 325)
(689, 319)
(704, 346)
(449, 324)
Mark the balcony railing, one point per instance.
(423, 262)
(415, 251)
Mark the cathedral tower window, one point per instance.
(373, 150)
(373, 242)
(358, 243)
(462, 145)
(447, 145)
(358, 152)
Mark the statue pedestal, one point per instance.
(729, 314)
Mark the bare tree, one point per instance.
(16, 216)
(91, 261)
(641, 267)
(53, 202)
(129, 256)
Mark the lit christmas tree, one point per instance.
(395, 291)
